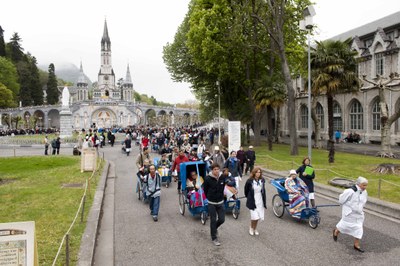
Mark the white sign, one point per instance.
(88, 159)
(17, 244)
(234, 136)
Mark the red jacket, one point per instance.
(177, 162)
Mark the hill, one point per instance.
(67, 72)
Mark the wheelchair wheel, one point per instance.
(139, 190)
(203, 217)
(235, 212)
(278, 206)
(313, 221)
(182, 203)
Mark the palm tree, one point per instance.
(334, 71)
(272, 96)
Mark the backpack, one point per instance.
(53, 143)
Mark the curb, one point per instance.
(88, 242)
(385, 208)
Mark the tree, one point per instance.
(16, 53)
(333, 66)
(2, 43)
(274, 95)
(6, 97)
(24, 77)
(35, 87)
(52, 90)
(9, 77)
(382, 83)
(281, 23)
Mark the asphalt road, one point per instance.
(183, 240)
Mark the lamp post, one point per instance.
(307, 24)
(219, 112)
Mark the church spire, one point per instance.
(105, 39)
(82, 78)
(128, 79)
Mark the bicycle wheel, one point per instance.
(313, 221)
(139, 190)
(235, 212)
(278, 206)
(203, 217)
(182, 203)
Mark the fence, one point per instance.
(80, 211)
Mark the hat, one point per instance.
(216, 148)
(292, 172)
(251, 147)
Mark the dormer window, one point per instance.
(379, 64)
(390, 35)
(368, 43)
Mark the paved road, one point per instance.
(182, 240)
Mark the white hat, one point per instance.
(251, 147)
(292, 172)
(361, 180)
(216, 148)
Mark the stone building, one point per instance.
(111, 104)
(377, 44)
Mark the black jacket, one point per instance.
(251, 156)
(249, 193)
(214, 188)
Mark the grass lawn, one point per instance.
(346, 165)
(35, 139)
(34, 191)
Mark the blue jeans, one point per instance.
(215, 210)
(154, 205)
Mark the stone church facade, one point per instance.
(111, 104)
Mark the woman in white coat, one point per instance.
(353, 200)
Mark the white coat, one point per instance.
(353, 203)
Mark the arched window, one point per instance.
(356, 116)
(303, 117)
(337, 117)
(320, 114)
(376, 116)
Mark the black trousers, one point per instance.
(217, 217)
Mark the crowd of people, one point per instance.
(224, 172)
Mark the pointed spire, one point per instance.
(105, 37)
(128, 79)
(82, 78)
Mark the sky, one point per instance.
(65, 32)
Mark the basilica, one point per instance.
(105, 105)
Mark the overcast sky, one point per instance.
(70, 32)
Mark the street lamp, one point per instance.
(219, 112)
(307, 24)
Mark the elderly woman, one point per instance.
(353, 200)
(298, 194)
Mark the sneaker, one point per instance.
(155, 218)
(256, 232)
(251, 231)
(216, 242)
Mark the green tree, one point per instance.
(36, 88)
(334, 71)
(2, 43)
(9, 77)
(6, 97)
(16, 53)
(24, 77)
(52, 90)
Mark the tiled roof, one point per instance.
(371, 27)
